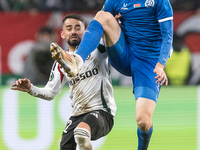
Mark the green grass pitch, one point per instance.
(174, 120)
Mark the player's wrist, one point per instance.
(160, 65)
(30, 91)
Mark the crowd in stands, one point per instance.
(69, 5)
(185, 5)
(180, 49)
(50, 5)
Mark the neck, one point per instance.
(72, 48)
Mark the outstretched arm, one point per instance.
(25, 85)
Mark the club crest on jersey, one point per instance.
(51, 76)
(149, 3)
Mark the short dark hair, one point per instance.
(46, 29)
(73, 16)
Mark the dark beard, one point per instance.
(75, 42)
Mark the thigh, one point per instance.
(143, 77)
(119, 56)
(144, 108)
(100, 123)
(111, 27)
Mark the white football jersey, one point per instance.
(91, 89)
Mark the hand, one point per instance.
(22, 85)
(117, 17)
(161, 76)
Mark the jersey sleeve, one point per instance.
(57, 79)
(164, 10)
(165, 18)
(167, 38)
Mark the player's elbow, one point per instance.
(51, 98)
(53, 95)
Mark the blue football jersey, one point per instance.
(140, 22)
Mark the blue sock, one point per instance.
(144, 138)
(91, 39)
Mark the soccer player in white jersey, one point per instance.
(91, 91)
(139, 47)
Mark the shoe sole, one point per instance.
(63, 58)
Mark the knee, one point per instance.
(81, 140)
(104, 17)
(144, 123)
(82, 137)
(103, 14)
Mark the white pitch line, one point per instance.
(198, 121)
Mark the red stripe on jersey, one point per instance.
(61, 74)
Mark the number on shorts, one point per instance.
(69, 122)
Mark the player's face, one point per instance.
(73, 31)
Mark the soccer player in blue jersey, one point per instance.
(138, 46)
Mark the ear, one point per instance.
(62, 35)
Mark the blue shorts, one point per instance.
(141, 69)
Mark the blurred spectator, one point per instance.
(179, 65)
(51, 5)
(17, 5)
(189, 32)
(192, 24)
(39, 62)
(185, 5)
(95, 5)
(68, 5)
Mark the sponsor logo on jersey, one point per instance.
(124, 7)
(83, 76)
(149, 3)
(50, 85)
(136, 5)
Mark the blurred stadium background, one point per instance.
(29, 123)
